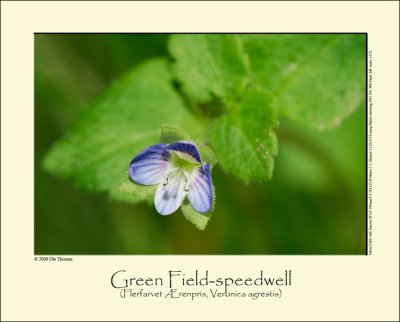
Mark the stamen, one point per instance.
(165, 181)
(187, 186)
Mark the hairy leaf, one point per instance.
(244, 140)
(316, 79)
(207, 155)
(210, 66)
(130, 191)
(171, 134)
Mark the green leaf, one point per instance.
(124, 120)
(244, 141)
(207, 155)
(210, 66)
(130, 191)
(171, 134)
(316, 79)
(198, 219)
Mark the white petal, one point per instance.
(201, 190)
(169, 197)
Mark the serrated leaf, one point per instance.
(198, 219)
(207, 155)
(244, 141)
(210, 66)
(171, 134)
(316, 79)
(130, 191)
(125, 119)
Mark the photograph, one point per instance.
(202, 161)
(200, 144)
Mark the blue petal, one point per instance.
(186, 147)
(150, 165)
(169, 197)
(201, 190)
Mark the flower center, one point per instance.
(182, 166)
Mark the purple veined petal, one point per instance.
(169, 197)
(150, 165)
(201, 190)
(186, 147)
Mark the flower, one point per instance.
(179, 172)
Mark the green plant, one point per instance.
(224, 92)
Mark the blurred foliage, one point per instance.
(314, 204)
(317, 80)
(120, 123)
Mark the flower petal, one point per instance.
(150, 165)
(169, 197)
(186, 147)
(201, 190)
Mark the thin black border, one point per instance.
(197, 33)
(223, 33)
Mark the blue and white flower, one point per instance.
(179, 172)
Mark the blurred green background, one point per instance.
(314, 204)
